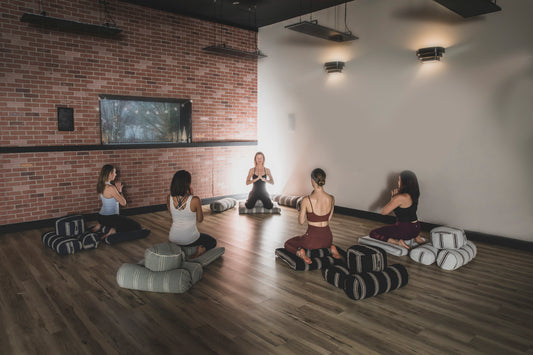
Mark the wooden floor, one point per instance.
(248, 302)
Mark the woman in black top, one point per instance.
(259, 176)
(404, 203)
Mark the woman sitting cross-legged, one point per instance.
(186, 211)
(404, 203)
(317, 209)
(110, 192)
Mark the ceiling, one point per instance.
(248, 14)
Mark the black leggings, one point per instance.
(205, 240)
(120, 223)
(259, 195)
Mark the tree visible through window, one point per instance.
(131, 120)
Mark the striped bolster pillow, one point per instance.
(321, 258)
(425, 254)
(288, 200)
(223, 204)
(447, 238)
(62, 245)
(452, 259)
(137, 277)
(365, 258)
(361, 286)
(336, 275)
(392, 249)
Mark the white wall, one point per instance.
(464, 125)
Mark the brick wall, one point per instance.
(157, 55)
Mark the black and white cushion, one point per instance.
(425, 254)
(61, 244)
(70, 226)
(390, 248)
(288, 200)
(258, 208)
(336, 275)
(222, 204)
(365, 258)
(452, 259)
(447, 237)
(321, 258)
(370, 284)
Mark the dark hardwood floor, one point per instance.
(248, 302)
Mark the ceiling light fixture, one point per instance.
(430, 54)
(312, 28)
(334, 67)
(222, 49)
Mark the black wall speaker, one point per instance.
(65, 119)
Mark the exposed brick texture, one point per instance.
(157, 55)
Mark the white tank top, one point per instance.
(183, 230)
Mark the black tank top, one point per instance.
(406, 214)
(259, 184)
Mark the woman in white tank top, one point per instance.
(186, 211)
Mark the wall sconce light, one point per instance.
(430, 54)
(334, 67)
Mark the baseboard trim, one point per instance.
(43, 223)
(471, 235)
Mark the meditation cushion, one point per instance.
(258, 208)
(320, 258)
(70, 226)
(126, 236)
(336, 275)
(288, 200)
(70, 236)
(62, 245)
(163, 257)
(447, 238)
(425, 254)
(223, 204)
(206, 258)
(452, 259)
(360, 286)
(365, 258)
(138, 277)
(392, 249)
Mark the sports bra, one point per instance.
(255, 176)
(406, 214)
(312, 217)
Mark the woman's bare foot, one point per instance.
(111, 231)
(420, 240)
(301, 253)
(335, 252)
(199, 251)
(96, 228)
(398, 242)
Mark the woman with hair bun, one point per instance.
(404, 203)
(317, 209)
